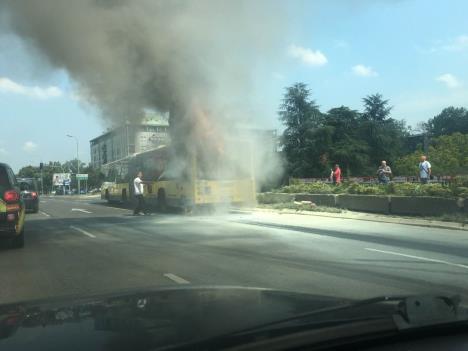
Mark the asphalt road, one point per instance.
(86, 247)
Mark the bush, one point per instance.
(460, 191)
(460, 181)
(310, 188)
(364, 189)
(437, 190)
(401, 189)
(406, 189)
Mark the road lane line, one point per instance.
(80, 210)
(176, 279)
(83, 231)
(44, 214)
(419, 258)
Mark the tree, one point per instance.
(448, 155)
(313, 141)
(346, 147)
(385, 136)
(449, 121)
(375, 108)
(300, 114)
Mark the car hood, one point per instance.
(147, 319)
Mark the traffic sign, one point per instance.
(82, 176)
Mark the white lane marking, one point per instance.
(44, 214)
(419, 258)
(82, 231)
(80, 210)
(176, 279)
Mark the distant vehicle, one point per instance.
(83, 192)
(95, 191)
(12, 208)
(29, 193)
(59, 191)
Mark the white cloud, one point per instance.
(459, 43)
(29, 146)
(9, 86)
(3, 151)
(449, 80)
(364, 71)
(307, 56)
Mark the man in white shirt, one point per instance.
(138, 191)
(424, 170)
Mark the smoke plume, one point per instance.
(192, 59)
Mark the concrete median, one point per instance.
(424, 205)
(366, 203)
(328, 200)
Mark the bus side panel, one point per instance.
(236, 192)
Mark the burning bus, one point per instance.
(184, 182)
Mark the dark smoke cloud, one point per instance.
(192, 59)
(161, 54)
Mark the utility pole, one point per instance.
(77, 161)
(41, 166)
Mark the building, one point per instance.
(129, 139)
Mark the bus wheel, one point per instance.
(162, 204)
(124, 195)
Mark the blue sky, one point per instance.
(415, 53)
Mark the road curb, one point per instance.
(366, 217)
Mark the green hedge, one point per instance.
(457, 188)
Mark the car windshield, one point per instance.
(306, 147)
(27, 186)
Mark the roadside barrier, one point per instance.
(387, 204)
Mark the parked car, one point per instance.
(29, 193)
(12, 209)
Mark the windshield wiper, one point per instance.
(316, 312)
(410, 312)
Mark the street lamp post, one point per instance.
(77, 161)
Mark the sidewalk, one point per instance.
(420, 222)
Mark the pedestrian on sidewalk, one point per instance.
(336, 175)
(138, 192)
(383, 173)
(425, 170)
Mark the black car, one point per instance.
(29, 193)
(12, 209)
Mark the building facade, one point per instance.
(129, 139)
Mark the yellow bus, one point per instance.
(191, 188)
